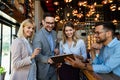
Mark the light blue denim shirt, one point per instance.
(32, 70)
(79, 49)
(50, 40)
(108, 59)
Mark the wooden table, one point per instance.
(93, 76)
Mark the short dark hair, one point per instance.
(107, 26)
(48, 14)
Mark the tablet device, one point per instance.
(60, 58)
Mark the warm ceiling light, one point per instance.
(115, 21)
(68, 14)
(83, 3)
(95, 3)
(61, 21)
(80, 15)
(79, 3)
(47, 1)
(104, 2)
(70, 19)
(110, 1)
(71, 7)
(67, 1)
(56, 3)
(119, 8)
(107, 1)
(57, 18)
(113, 7)
(88, 15)
(96, 19)
(74, 12)
(97, 15)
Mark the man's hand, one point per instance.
(75, 63)
(79, 57)
(50, 61)
(96, 46)
(56, 51)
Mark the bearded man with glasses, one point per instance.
(107, 61)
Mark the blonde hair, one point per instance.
(20, 33)
(64, 37)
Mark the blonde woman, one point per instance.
(71, 44)
(23, 64)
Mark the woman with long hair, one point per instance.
(71, 44)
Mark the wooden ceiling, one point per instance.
(48, 6)
(11, 9)
(101, 6)
(19, 9)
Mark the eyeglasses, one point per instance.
(50, 23)
(98, 33)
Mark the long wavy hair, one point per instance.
(20, 33)
(64, 37)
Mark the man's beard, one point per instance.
(101, 41)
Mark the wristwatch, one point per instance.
(85, 65)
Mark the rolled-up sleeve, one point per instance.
(101, 68)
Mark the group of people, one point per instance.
(32, 51)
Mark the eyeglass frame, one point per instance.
(98, 33)
(49, 23)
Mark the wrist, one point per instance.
(85, 65)
(31, 57)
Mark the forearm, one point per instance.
(19, 63)
(86, 66)
(92, 54)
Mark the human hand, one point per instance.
(56, 51)
(79, 57)
(59, 65)
(50, 61)
(96, 46)
(77, 63)
(35, 52)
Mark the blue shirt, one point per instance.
(50, 40)
(32, 70)
(78, 49)
(109, 58)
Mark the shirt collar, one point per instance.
(113, 42)
(48, 33)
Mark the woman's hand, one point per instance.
(35, 52)
(56, 51)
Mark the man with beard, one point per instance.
(107, 61)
